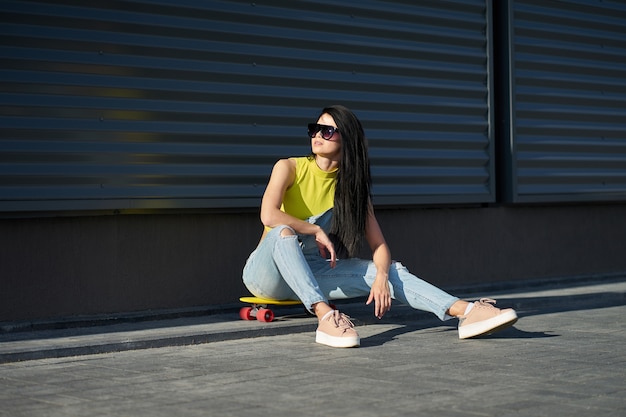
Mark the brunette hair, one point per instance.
(354, 182)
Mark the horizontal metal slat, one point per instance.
(150, 100)
(569, 101)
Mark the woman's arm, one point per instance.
(283, 176)
(381, 256)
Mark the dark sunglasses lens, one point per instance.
(313, 128)
(327, 132)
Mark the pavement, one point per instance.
(565, 356)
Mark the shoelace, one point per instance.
(342, 320)
(486, 302)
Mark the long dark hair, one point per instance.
(354, 182)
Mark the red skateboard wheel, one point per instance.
(265, 315)
(246, 313)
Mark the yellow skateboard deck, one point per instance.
(258, 308)
(267, 301)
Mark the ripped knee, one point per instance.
(287, 231)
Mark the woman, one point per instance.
(316, 210)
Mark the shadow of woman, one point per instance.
(380, 339)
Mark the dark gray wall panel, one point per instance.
(568, 113)
(110, 265)
(157, 105)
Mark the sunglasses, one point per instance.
(326, 131)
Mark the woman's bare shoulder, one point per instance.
(285, 164)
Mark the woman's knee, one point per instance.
(286, 231)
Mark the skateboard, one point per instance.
(259, 310)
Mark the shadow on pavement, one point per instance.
(524, 306)
(210, 328)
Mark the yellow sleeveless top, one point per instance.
(312, 192)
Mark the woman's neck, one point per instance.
(326, 164)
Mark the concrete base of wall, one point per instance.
(80, 266)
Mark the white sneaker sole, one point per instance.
(334, 341)
(488, 326)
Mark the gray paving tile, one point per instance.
(564, 358)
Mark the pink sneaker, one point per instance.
(484, 319)
(336, 330)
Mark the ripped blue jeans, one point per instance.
(291, 268)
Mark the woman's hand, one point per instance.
(326, 247)
(380, 295)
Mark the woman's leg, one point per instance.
(277, 269)
(419, 294)
(354, 278)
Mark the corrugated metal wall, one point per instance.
(156, 105)
(568, 113)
